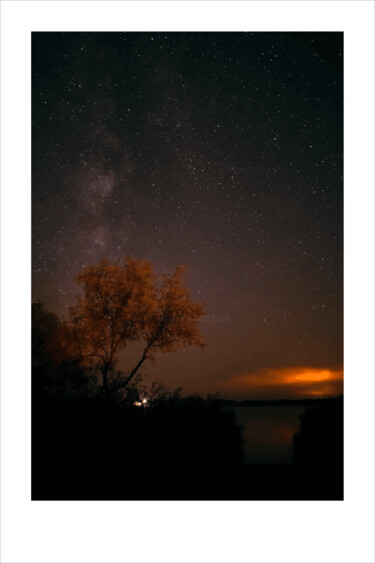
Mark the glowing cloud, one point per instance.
(286, 382)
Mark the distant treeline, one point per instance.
(281, 402)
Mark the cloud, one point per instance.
(286, 382)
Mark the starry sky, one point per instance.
(220, 151)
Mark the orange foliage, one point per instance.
(125, 302)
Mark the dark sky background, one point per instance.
(220, 151)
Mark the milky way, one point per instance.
(220, 151)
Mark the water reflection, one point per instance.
(268, 432)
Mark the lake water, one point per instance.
(268, 432)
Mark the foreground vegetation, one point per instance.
(95, 448)
(172, 448)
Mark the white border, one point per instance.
(192, 532)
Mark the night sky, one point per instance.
(220, 151)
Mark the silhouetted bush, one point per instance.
(50, 373)
(318, 448)
(99, 448)
(320, 439)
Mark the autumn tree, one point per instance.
(124, 302)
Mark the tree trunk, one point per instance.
(134, 371)
(132, 374)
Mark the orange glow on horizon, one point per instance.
(308, 375)
(287, 382)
